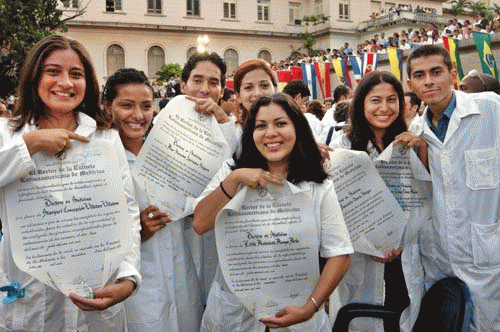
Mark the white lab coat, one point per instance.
(463, 239)
(170, 287)
(224, 312)
(364, 282)
(43, 308)
(315, 124)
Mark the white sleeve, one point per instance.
(129, 267)
(335, 238)
(215, 182)
(230, 133)
(15, 160)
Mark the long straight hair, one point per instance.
(359, 131)
(30, 108)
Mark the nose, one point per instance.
(65, 80)
(204, 87)
(270, 131)
(137, 112)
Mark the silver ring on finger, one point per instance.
(150, 215)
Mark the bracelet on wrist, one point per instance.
(313, 300)
(224, 191)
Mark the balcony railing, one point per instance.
(402, 16)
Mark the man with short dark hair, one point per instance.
(463, 136)
(299, 91)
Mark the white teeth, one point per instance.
(135, 125)
(63, 94)
(272, 145)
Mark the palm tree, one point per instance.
(459, 7)
(477, 7)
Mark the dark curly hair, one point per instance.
(119, 78)
(198, 57)
(305, 162)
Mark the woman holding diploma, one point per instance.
(58, 105)
(277, 146)
(164, 297)
(376, 120)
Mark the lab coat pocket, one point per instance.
(485, 243)
(482, 168)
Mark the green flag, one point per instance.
(483, 45)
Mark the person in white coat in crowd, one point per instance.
(376, 119)
(59, 104)
(202, 81)
(128, 99)
(463, 136)
(277, 118)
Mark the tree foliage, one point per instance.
(168, 71)
(23, 24)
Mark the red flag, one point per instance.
(296, 73)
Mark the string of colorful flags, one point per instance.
(317, 75)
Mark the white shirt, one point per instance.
(464, 237)
(225, 313)
(43, 308)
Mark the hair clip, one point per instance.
(14, 292)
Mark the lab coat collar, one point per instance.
(465, 107)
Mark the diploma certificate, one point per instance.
(373, 217)
(409, 182)
(182, 153)
(69, 221)
(268, 247)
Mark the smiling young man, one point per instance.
(463, 135)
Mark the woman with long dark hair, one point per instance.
(58, 105)
(277, 146)
(376, 120)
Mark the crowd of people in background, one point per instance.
(272, 137)
(405, 39)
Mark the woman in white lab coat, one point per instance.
(163, 296)
(375, 121)
(277, 144)
(58, 104)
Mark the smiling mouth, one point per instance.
(272, 145)
(63, 94)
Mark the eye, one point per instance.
(260, 126)
(52, 71)
(77, 74)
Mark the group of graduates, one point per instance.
(170, 279)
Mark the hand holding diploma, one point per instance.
(152, 220)
(104, 297)
(208, 106)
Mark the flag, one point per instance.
(230, 84)
(345, 72)
(356, 65)
(483, 46)
(296, 73)
(323, 75)
(370, 62)
(451, 44)
(396, 61)
(309, 78)
(342, 71)
(284, 76)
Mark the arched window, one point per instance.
(115, 59)
(190, 52)
(265, 55)
(156, 59)
(231, 60)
